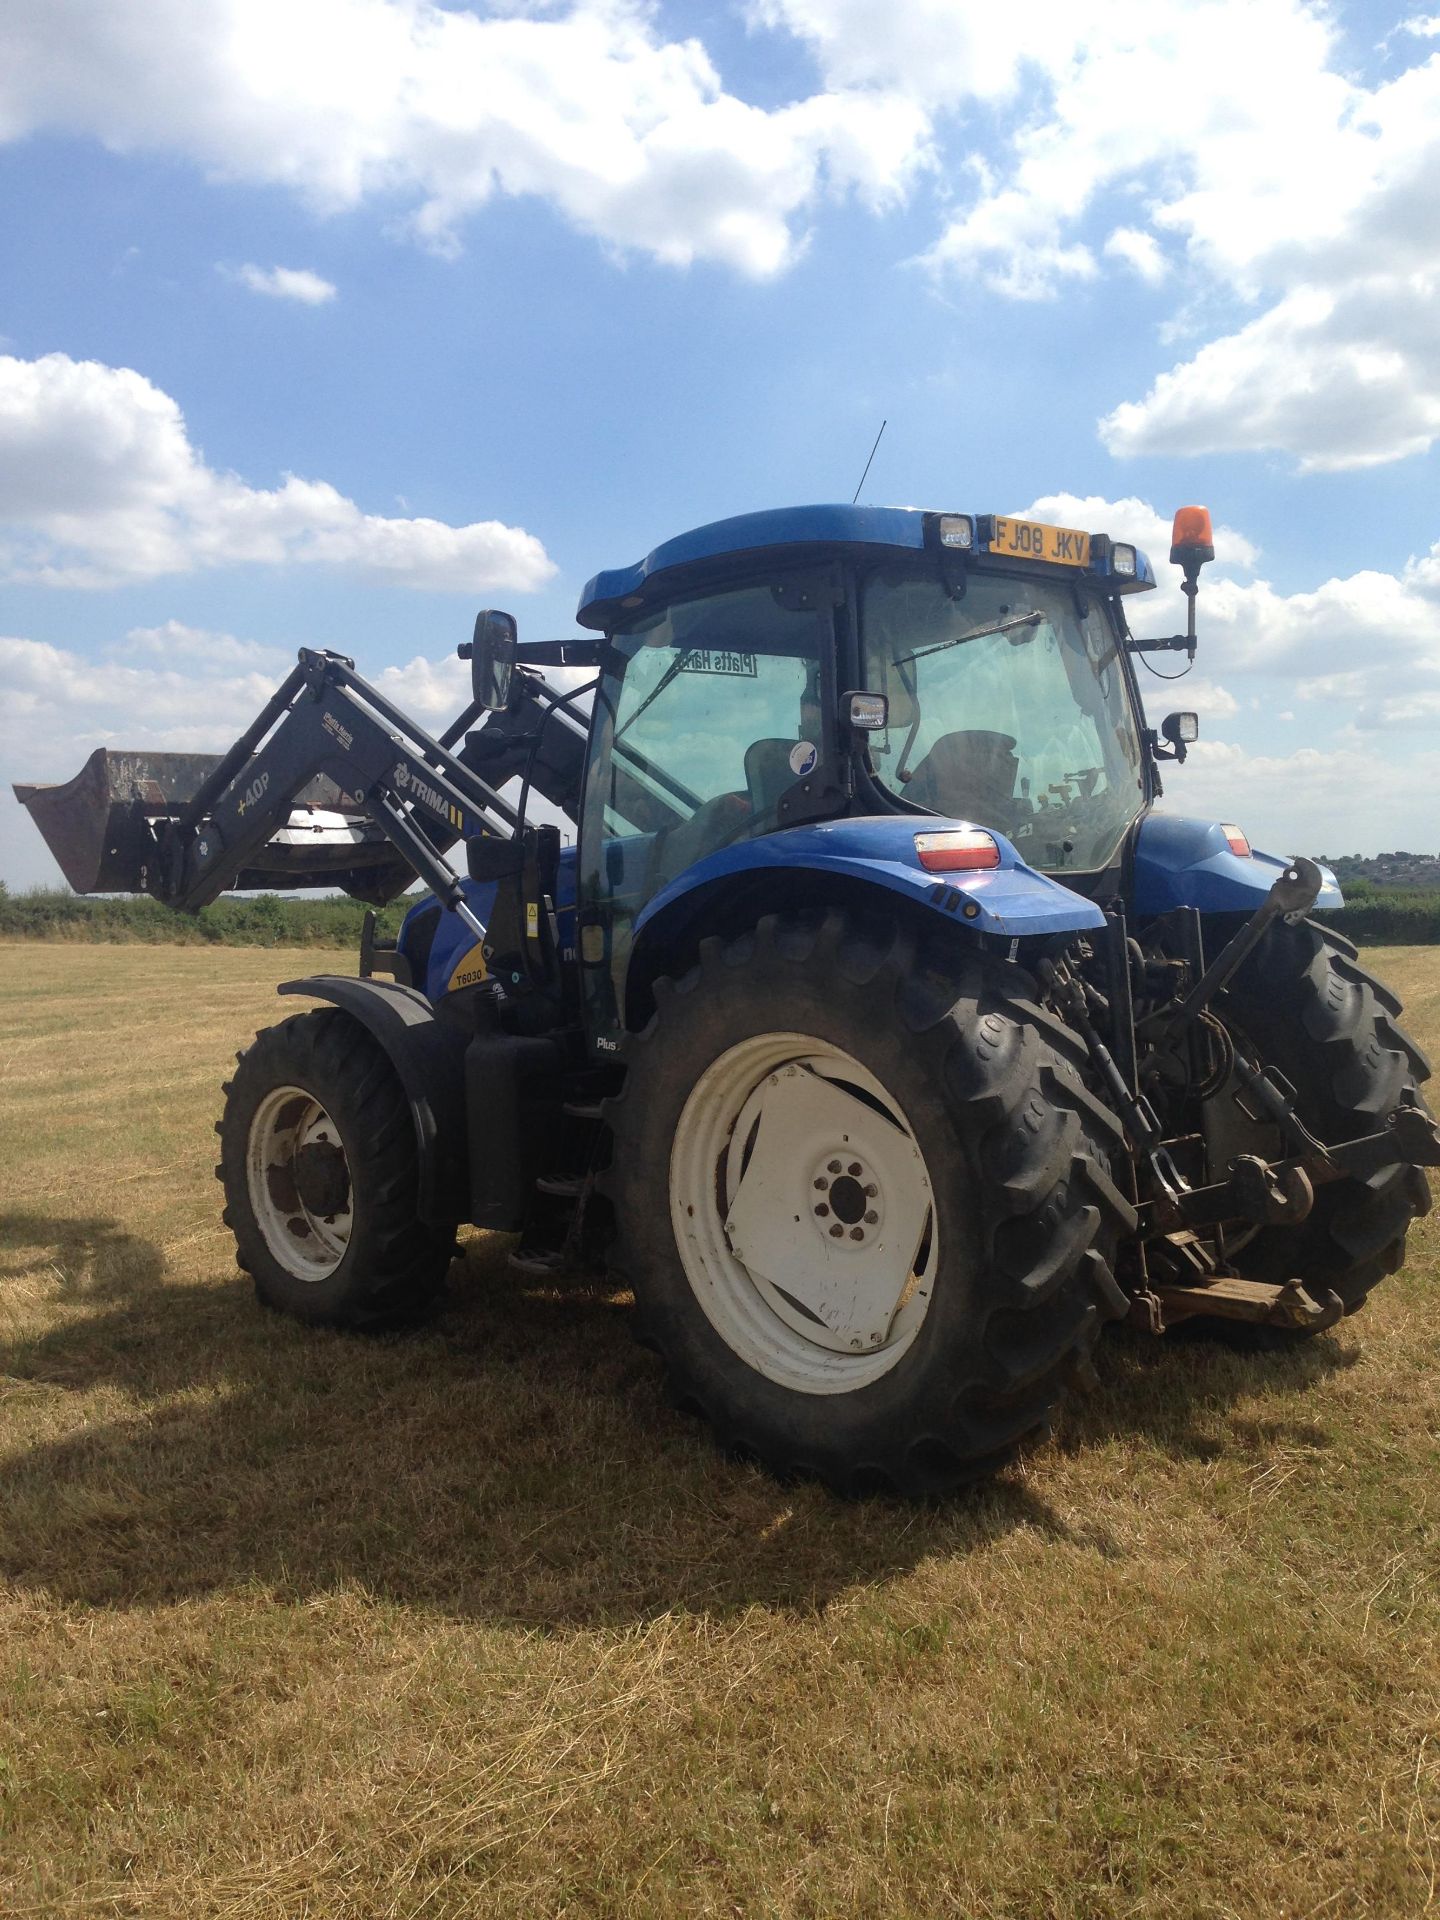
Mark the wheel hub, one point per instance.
(848, 1204)
(803, 1212)
(322, 1178)
(299, 1183)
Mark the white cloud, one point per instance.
(174, 640)
(284, 283)
(1222, 146)
(1244, 151)
(630, 135)
(1138, 522)
(1011, 240)
(100, 485)
(1198, 695)
(1347, 379)
(1365, 645)
(930, 50)
(1314, 800)
(1140, 252)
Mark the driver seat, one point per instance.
(969, 775)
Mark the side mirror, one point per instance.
(492, 659)
(1182, 730)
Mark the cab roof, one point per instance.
(900, 527)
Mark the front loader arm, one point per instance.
(325, 721)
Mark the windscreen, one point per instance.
(1008, 708)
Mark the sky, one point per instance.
(328, 322)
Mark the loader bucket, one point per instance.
(96, 825)
(99, 828)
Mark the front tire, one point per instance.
(321, 1176)
(916, 1347)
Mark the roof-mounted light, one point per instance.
(1191, 539)
(964, 850)
(1122, 562)
(957, 530)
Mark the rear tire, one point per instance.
(952, 1068)
(1308, 1007)
(321, 1176)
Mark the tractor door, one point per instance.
(714, 723)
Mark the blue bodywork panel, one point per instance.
(1188, 863)
(454, 959)
(902, 527)
(1177, 863)
(1011, 899)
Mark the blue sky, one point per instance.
(328, 322)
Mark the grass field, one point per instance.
(470, 1623)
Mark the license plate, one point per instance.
(1029, 540)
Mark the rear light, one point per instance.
(966, 851)
(1236, 840)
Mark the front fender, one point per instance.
(430, 1067)
(1011, 900)
(1189, 863)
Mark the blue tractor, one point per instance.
(876, 1031)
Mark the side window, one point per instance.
(693, 716)
(714, 715)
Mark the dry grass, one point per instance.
(469, 1623)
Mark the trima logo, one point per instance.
(409, 783)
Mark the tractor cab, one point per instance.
(818, 664)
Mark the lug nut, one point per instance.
(821, 1183)
(836, 1231)
(871, 1190)
(855, 1169)
(857, 1233)
(834, 1166)
(822, 1210)
(871, 1218)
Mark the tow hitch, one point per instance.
(1227, 1297)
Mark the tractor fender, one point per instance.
(840, 863)
(1190, 863)
(1011, 900)
(430, 1065)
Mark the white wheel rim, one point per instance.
(762, 1176)
(299, 1182)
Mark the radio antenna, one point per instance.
(856, 495)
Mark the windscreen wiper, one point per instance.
(677, 665)
(975, 633)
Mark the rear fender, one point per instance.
(1011, 900)
(854, 863)
(1190, 863)
(430, 1067)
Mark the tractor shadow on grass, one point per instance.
(515, 1461)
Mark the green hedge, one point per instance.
(1387, 917)
(1378, 916)
(265, 920)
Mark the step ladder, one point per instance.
(550, 1236)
